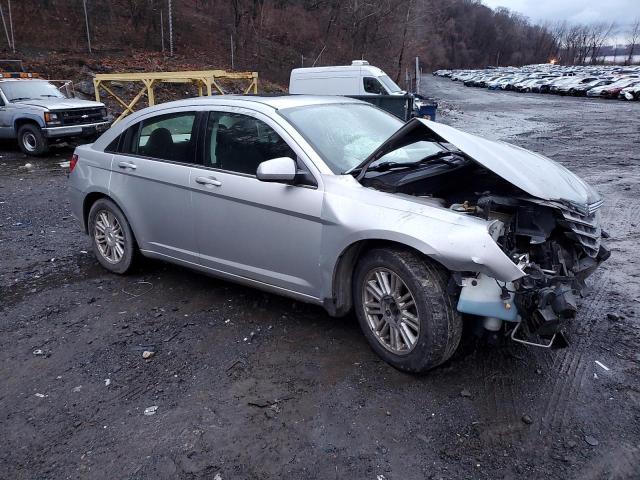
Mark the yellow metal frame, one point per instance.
(206, 80)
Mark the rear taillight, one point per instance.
(72, 162)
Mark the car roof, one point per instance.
(262, 103)
(277, 102)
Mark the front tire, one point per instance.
(32, 141)
(404, 309)
(111, 236)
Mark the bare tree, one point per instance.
(597, 35)
(634, 37)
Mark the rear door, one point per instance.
(267, 232)
(150, 181)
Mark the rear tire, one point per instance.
(32, 141)
(111, 237)
(439, 325)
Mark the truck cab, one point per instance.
(37, 114)
(359, 78)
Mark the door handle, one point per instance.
(130, 165)
(208, 181)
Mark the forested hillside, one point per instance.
(273, 36)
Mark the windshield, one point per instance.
(29, 90)
(344, 135)
(390, 84)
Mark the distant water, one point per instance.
(616, 59)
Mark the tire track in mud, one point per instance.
(576, 361)
(500, 415)
(570, 367)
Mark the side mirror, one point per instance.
(281, 170)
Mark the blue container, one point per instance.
(428, 111)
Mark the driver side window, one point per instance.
(372, 85)
(239, 143)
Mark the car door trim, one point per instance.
(237, 278)
(221, 194)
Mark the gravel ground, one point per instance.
(253, 386)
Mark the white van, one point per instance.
(359, 78)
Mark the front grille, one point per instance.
(81, 116)
(585, 229)
(594, 206)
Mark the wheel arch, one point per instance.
(33, 120)
(340, 301)
(93, 197)
(87, 203)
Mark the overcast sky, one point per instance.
(578, 11)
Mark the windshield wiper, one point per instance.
(17, 99)
(49, 95)
(384, 166)
(438, 157)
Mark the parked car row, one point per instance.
(614, 81)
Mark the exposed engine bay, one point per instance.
(556, 243)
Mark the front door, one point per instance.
(266, 232)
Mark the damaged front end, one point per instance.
(557, 247)
(544, 218)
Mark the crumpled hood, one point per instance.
(533, 173)
(60, 103)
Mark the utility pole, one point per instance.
(417, 74)
(162, 31)
(302, 59)
(13, 41)
(4, 24)
(86, 21)
(170, 30)
(233, 66)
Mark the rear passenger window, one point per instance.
(167, 137)
(239, 143)
(113, 146)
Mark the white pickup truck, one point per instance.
(36, 113)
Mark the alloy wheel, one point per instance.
(108, 235)
(391, 311)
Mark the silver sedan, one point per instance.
(332, 201)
